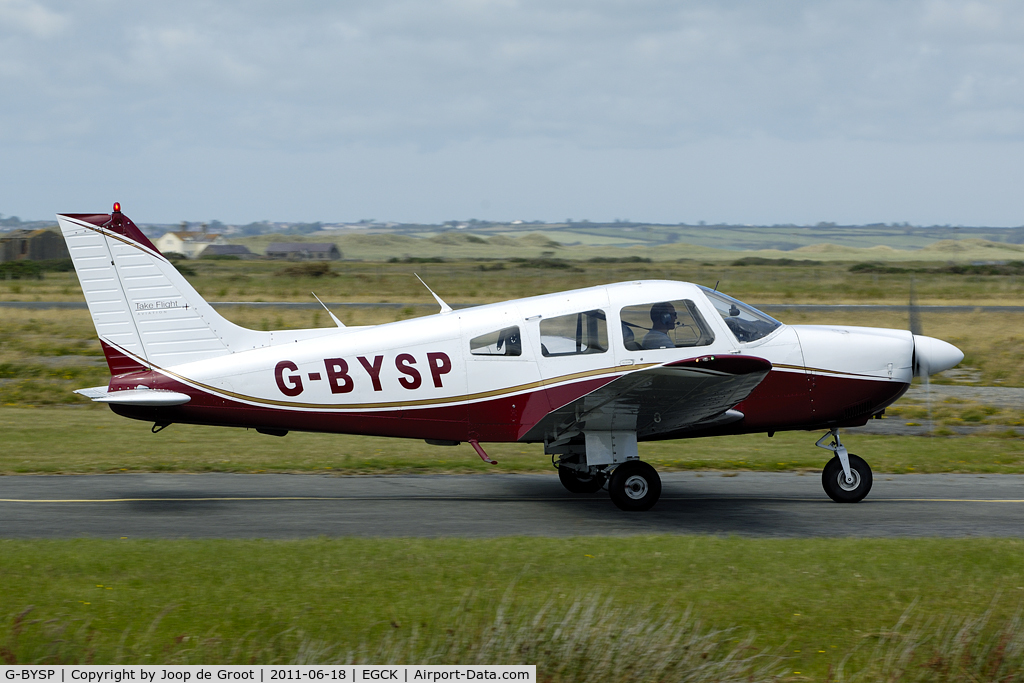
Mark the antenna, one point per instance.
(445, 308)
(716, 285)
(335, 319)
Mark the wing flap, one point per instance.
(660, 399)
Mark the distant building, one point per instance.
(238, 250)
(303, 251)
(32, 245)
(189, 244)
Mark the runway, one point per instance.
(283, 506)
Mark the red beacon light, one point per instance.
(117, 207)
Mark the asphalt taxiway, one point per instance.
(301, 506)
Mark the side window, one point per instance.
(570, 335)
(746, 322)
(504, 342)
(664, 325)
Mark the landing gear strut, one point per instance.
(576, 481)
(846, 477)
(586, 462)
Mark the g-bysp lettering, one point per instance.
(343, 377)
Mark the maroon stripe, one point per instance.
(499, 419)
(117, 223)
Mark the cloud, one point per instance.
(32, 18)
(232, 78)
(594, 73)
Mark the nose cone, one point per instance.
(933, 355)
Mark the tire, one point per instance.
(834, 481)
(634, 486)
(579, 482)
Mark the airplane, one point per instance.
(588, 373)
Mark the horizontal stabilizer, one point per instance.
(141, 396)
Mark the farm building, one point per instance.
(190, 244)
(32, 245)
(239, 250)
(303, 251)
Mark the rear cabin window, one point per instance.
(504, 342)
(664, 325)
(573, 335)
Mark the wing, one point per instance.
(660, 399)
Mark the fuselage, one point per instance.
(491, 372)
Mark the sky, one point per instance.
(424, 111)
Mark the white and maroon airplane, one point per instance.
(589, 372)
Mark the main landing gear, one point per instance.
(580, 481)
(846, 478)
(633, 486)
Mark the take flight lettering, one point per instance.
(339, 374)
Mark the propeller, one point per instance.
(920, 368)
(931, 355)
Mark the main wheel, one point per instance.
(833, 480)
(634, 485)
(580, 482)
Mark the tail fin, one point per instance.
(145, 312)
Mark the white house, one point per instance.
(191, 244)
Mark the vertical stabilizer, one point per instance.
(142, 307)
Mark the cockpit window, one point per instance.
(746, 322)
(570, 335)
(664, 325)
(504, 342)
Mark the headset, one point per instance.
(663, 315)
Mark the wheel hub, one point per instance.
(851, 486)
(636, 487)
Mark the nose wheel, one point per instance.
(839, 488)
(634, 486)
(846, 478)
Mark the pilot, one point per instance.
(663, 315)
(510, 337)
(512, 344)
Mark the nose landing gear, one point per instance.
(846, 477)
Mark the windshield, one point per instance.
(746, 322)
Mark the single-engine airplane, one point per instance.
(588, 373)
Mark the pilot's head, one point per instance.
(663, 315)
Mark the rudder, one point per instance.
(143, 309)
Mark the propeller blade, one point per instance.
(914, 313)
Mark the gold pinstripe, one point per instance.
(823, 371)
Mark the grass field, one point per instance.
(712, 245)
(96, 440)
(581, 609)
(810, 603)
(45, 354)
(483, 281)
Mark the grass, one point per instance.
(806, 606)
(866, 609)
(665, 243)
(93, 439)
(480, 281)
(49, 343)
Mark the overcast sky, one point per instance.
(746, 112)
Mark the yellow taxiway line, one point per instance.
(489, 499)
